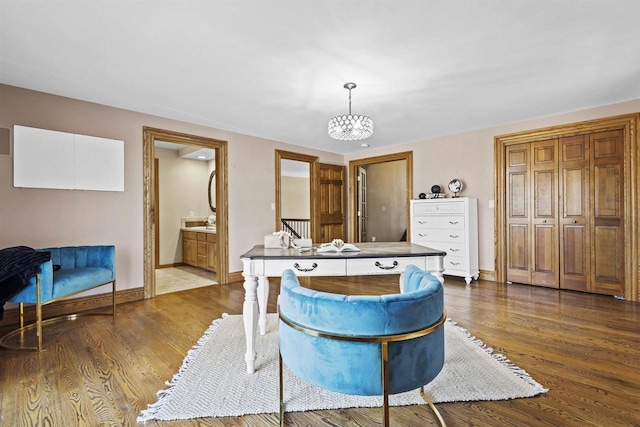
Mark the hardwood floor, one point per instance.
(99, 371)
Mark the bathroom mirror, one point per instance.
(212, 191)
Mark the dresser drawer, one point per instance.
(455, 263)
(452, 249)
(328, 267)
(444, 235)
(361, 267)
(439, 207)
(454, 221)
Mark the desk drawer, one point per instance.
(361, 267)
(310, 267)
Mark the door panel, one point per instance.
(607, 191)
(519, 195)
(518, 269)
(333, 223)
(575, 238)
(545, 263)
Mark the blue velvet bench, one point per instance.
(71, 270)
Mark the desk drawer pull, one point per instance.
(305, 270)
(391, 267)
(454, 237)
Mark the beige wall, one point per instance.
(39, 218)
(469, 157)
(386, 201)
(296, 200)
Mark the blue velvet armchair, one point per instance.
(71, 270)
(364, 345)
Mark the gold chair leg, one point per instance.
(21, 311)
(432, 406)
(385, 382)
(281, 391)
(113, 298)
(38, 313)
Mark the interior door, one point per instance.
(544, 206)
(575, 236)
(518, 215)
(607, 183)
(333, 218)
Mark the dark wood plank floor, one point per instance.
(99, 371)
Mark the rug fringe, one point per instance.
(153, 408)
(519, 372)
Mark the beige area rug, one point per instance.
(213, 382)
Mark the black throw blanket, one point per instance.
(17, 265)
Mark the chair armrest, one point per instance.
(28, 294)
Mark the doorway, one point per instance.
(296, 187)
(184, 193)
(150, 194)
(383, 200)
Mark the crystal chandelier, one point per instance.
(352, 126)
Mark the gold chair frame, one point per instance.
(384, 341)
(39, 323)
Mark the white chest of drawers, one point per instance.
(450, 225)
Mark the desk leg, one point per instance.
(435, 266)
(263, 299)
(250, 319)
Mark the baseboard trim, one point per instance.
(70, 306)
(235, 276)
(175, 264)
(487, 275)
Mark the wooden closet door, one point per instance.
(518, 213)
(607, 181)
(544, 207)
(575, 228)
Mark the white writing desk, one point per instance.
(374, 258)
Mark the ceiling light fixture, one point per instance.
(352, 126)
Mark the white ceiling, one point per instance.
(276, 69)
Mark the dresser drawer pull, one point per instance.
(423, 222)
(454, 263)
(422, 235)
(383, 267)
(454, 237)
(454, 222)
(454, 250)
(305, 270)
